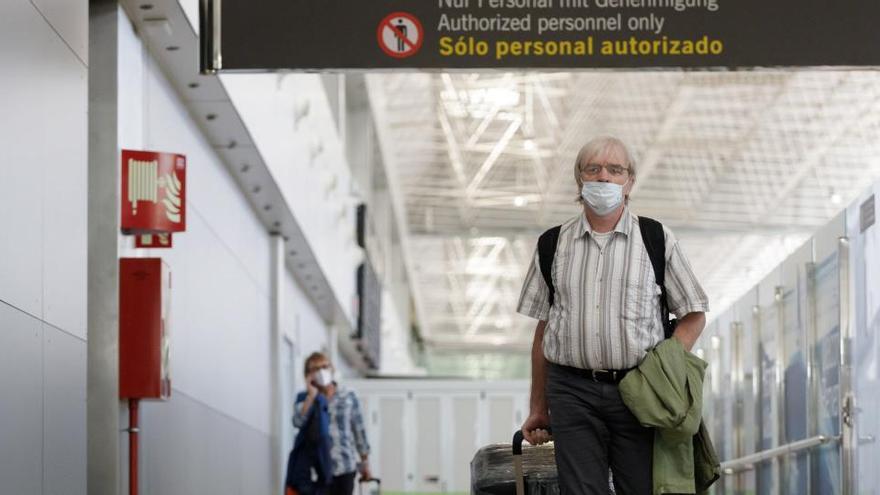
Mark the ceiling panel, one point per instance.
(743, 165)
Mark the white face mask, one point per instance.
(602, 197)
(324, 377)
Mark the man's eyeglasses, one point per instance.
(318, 368)
(614, 170)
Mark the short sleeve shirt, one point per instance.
(606, 309)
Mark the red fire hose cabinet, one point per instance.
(144, 295)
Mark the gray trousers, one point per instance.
(592, 431)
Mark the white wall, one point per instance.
(220, 265)
(304, 327)
(290, 118)
(43, 172)
(42, 176)
(307, 160)
(213, 436)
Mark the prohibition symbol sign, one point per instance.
(400, 35)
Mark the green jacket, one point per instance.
(666, 392)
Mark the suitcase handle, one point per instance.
(519, 438)
(362, 481)
(518, 473)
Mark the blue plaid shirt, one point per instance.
(347, 434)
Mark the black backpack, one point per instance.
(655, 243)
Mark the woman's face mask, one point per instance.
(324, 377)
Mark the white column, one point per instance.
(103, 270)
(276, 321)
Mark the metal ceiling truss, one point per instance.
(744, 166)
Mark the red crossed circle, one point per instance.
(412, 48)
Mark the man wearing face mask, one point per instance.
(598, 323)
(348, 440)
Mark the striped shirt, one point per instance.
(606, 308)
(347, 434)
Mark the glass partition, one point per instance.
(746, 388)
(825, 351)
(768, 328)
(794, 392)
(865, 274)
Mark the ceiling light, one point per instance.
(520, 201)
(529, 145)
(835, 198)
(502, 97)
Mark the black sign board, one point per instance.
(866, 214)
(259, 35)
(369, 314)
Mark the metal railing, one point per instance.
(748, 462)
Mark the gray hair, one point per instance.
(595, 147)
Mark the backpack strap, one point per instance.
(655, 243)
(546, 253)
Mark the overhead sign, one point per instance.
(153, 192)
(258, 35)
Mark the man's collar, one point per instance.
(624, 224)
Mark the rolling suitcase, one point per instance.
(371, 489)
(502, 469)
(505, 469)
